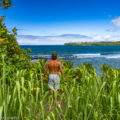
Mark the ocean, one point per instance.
(97, 55)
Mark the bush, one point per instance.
(10, 48)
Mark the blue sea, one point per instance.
(97, 55)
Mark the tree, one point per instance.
(14, 30)
(5, 4)
(9, 45)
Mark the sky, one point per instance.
(55, 22)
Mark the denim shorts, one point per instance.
(53, 81)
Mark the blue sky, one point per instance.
(59, 21)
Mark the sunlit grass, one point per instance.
(83, 96)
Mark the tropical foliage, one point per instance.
(10, 48)
(5, 4)
(83, 96)
(94, 43)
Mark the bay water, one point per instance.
(97, 55)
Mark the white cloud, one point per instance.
(116, 21)
(111, 30)
(51, 40)
(61, 39)
(107, 36)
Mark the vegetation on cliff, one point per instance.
(93, 43)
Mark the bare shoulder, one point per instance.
(48, 62)
(59, 62)
(51, 61)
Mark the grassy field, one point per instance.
(94, 43)
(83, 96)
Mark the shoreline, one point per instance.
(93, 43)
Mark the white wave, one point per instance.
(86, 55)
(112, 56)
(42, 55)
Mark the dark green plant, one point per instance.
(5, 4)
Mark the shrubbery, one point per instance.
(84, 94)
(11, 50)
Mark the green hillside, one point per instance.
(93, 43)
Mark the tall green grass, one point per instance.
(83, 96)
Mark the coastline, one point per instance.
(93, 43)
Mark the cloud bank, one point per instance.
(116, 21)
(61, 39)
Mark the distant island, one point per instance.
(93, 43)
